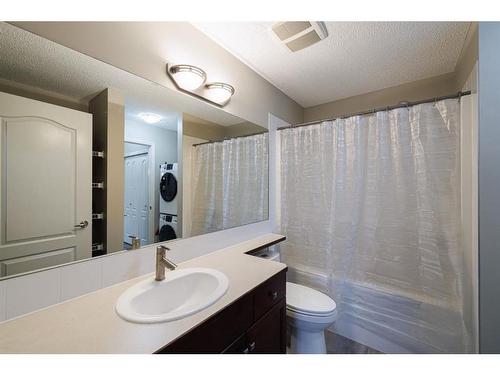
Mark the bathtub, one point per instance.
(390, 321)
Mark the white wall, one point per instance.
(134, 148)
(469, 204)
(165, 149)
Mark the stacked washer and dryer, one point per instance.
(168, 202)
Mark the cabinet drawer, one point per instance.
(269, 293)
(266, 336)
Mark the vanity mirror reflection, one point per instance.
(95, 160)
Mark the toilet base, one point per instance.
(306, 342)
(309, 313)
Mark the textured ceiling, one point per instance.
(356, 57)
(30, 60)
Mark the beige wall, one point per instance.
(467, 59)
(211, 132)
(144, 48)
(215, 132)
(116, 173)
(245, 128)
(187, 192)
(418, 90)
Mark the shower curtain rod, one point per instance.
(226, 139)
(380, 109)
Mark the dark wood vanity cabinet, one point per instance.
(254, 324)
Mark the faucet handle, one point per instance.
(162, 249)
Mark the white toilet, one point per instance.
(309, 313)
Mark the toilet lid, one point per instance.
(300, 298)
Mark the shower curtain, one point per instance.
(230, 183)
(371, 210)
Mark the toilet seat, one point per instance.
(301, 318)
(326, 315)
(309, 302)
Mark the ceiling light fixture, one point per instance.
(150, 118)
(190, 80)
(219, 92)
(188, 77)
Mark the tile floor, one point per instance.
(336, 344)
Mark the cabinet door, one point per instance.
(268, 334)
(217, 333)
(239, 346)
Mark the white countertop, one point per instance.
(89, 324)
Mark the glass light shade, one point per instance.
(150, 118)
(219, 92)
(188, 77)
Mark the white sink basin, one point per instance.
(184, 292)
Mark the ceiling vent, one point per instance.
(297, 35)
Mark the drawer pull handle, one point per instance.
(250, 348)
(273, 295)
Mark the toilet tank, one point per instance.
(270, 253)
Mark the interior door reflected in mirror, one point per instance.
(95, 160)
(46, 184)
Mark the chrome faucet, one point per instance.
(136, 242)
(162, 262)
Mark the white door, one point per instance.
(45, 184)
(137, 198)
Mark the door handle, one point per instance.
(83, 224)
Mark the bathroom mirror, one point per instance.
(95, 160)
